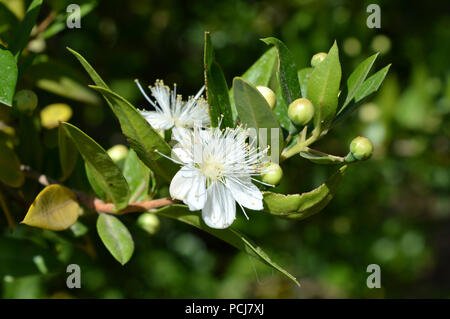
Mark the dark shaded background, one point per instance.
(393, 210)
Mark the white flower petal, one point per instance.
(220, 208)
(189, 186)
(245, 193)
(158, 120)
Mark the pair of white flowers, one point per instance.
(217, 165)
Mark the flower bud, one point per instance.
(301, 111)
(361, 148)
(25, 101)
(148, 222)
(118, 153)
(272, 174)
(317, 58)
(268, 95)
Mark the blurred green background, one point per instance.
(393, 210)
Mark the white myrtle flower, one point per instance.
(217, 170)
(171, 111)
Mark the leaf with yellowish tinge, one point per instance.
(52, 114)
(55, 208)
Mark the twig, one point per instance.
(97, 204)
(45, 23)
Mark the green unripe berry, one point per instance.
(268, 95)
(361, 148)
(272, 174)
(149, 222)
(25, 101)
(317, 58)
(301, 111)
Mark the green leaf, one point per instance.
(323, 88)
(260, 73)
(62, 80)
(23, 32)
(321, 158)
(254, 111)
(229, 235)
(116, 237)
(106, 173)
(10, 172)
(287, 71)
(55, 208)
(372, 84)
(79, 229)
(96, 187)
(68, 154)
(369, 86)
(357, 78)
(8, 77)
(137, 176)
(301, 206)
(141, 136)
(216, 88)
(303, 78)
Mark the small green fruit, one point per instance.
(317, 58)
(268, 95)
(301, 111)
(361, 148)
(149, 222)
(25, 101)
(273, 174)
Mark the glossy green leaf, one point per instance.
(116, 237)
(254, 111)
(260, 73)
(303, 77)
(8, 77)
(321, 158)
(137, 176)
(23, 32)
(141, 136)
(323, 88)
(10, 172)
(287, 71)
(95, 185)
(372, 84)
(229, 235)
(216, 88)
(301, 206)
(106, 173)
(55, 208)
(369, 86)
(357, 78)
(68, 153)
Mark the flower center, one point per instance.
(212, 168)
